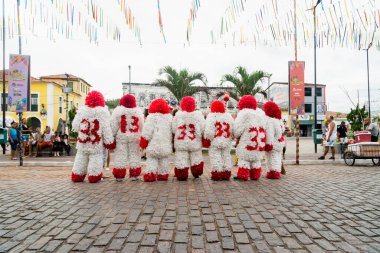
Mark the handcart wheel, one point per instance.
(349, 158)
(376, 161)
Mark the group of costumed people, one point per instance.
(257, 133)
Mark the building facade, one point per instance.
(145, 93)
(48, 103)
(279, 92)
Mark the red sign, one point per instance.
(296, 87)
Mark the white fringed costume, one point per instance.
(276, 129)
(188, 126)
(157, 139)
(92, 123)
(249, 129)
(218, 136)
(127, 123)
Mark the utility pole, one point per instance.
(20, 52)
(3, 95)
(369, 92)
(130, 88)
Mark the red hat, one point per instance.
(272, 110)
(159, 106)
(188, 104)
(218, 106)
(247, 102)
(95, 98)
(128, 101)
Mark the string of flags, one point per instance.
(69, 19)
(340, 23)
(195, 5)
(160, 23)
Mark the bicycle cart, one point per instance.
(363, 150)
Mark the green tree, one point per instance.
(356, 118)
(71, 114)
(112, 103)
(245, 83)
(180, 83)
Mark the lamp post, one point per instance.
(130, 88)
(3, 95)
(369, 93)
(67, 90)
(315, 69)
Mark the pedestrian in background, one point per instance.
(330, 137)
(14, 137)
(373, 128)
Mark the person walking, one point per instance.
(373, 128)
(14, 139)
(330, 139)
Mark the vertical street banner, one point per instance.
(19, 83)
(296, 88)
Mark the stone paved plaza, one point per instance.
(312, 209)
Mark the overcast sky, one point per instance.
(105, 66)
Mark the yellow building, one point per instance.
(48, 100)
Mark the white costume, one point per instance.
(249, 129)
(275, 130)
(218, 136)
(92, 123)
(157, 139)
(188, 126)
(127, 123)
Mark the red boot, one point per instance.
(197, 170)
(150, 177)
(119, 173)
(181, 174)
(77, 178)
(95, 179)
(216, 176)
(273, 174)
(134, 172)
(255, 173)
(163, 177)
(226, 175)
(243, 173)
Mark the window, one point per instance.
(308, 92)
(319, 92)
(71, 105)
(308, 108)
(34, 102)
(152, 96)
(6, 101)
(60, 104)
(70, 85)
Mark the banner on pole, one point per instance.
(19, 83)
(296, 88)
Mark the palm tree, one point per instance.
(180, 83)
(245, 83)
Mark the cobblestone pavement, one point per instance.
(311, 209)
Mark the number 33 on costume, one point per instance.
(188, 126)
(251, 135)
(127, 123)
(92, 123)
(217, 137)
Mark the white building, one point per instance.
(145, 93)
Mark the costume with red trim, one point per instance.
(274, 129)
(127, 124)
(249, 129)
(188, 126)
(217, 137)
(156, 138)
(92, 122)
